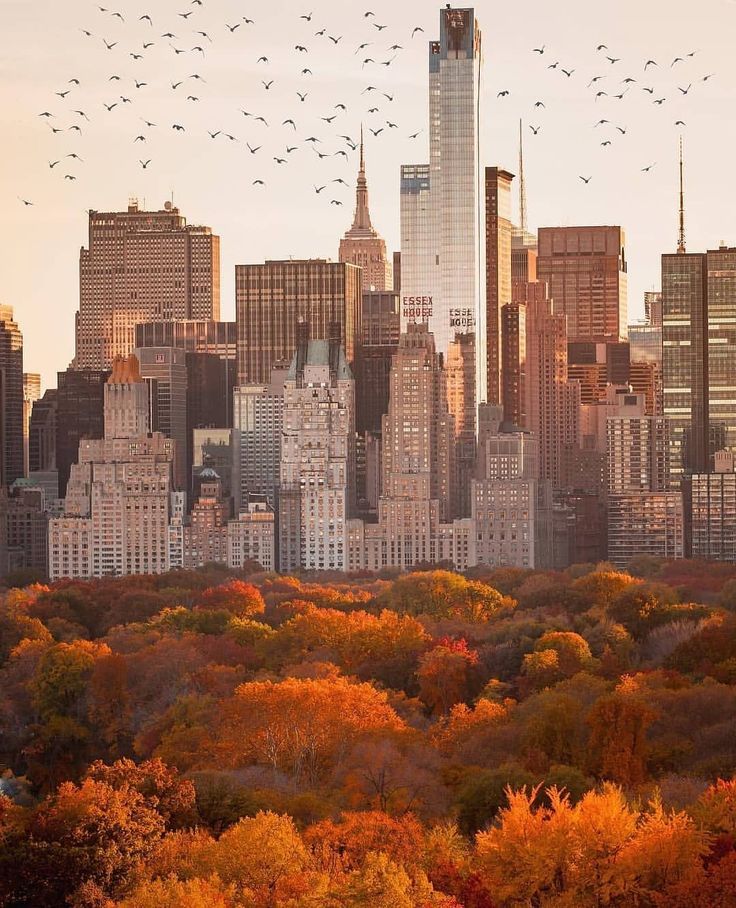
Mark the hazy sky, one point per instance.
(211, 179)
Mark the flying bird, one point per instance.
(178, 128)
(253, 150)
(685, 90)
(300, 48)
(414, 135)
(535, 129)
(280, 160)
(621, 130)
(303, 97)
(62, 94)
(335, 202)
(53, 164)
(613, 60)
(308, 18)
(319, 189)
(586, 180)
(650, 63)
(539, 50)
(25, 201)
(607, 142)
(680, 123)
(232, 27)
(503, 94)
(69, 176)
(258, 183)
(214, 135)
(341, 181)
(139, 139)
(289, 123)
(109, 46)
(262, 60)
(568, 72)
(377, 132)
(676, 60)
(540, 104)
(650, 90)
(647, 168)
(418, 28)
(75, 156)
(144, 164)
(267, 85)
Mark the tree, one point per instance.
(236, 596)
(618, 746)
(446, 674)
(173, 893)
(441, 594)
(300, 727)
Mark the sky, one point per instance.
(212, 179)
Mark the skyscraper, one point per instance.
(118, 502)
(80, 414)
(42, 433)
(31, 393)
(165, 368)
(513, 363)
(362, 244)
(271, 298)
(586, 271)
(381, 331)
(141, 266)
(699, 356)
(443, 236)
(11, 398)
(498, 271)
(317, 495)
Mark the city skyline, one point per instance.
(554, 159)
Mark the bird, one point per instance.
(185, 15)
(25, 201)
(232, 138)
(258, 183)
(291, 148)
(214, 135)
(248, 21)
(54, 129)
(62, 94)
(178, 128)
(414, 135)
(82, 114)
(69, 176)
(396, 47)
(175, 85)
(144, 164)
(75, 156)
(232, 27)
(111, 106)
(140, 56)
(539, 50)
(594, 80)
(586, 180)
(319, 189)
(535, 129)
(125, 100)
(168, 35)
(253, 150)
(307, 72)
(341, 181)
(601, 122)
(46, 114)
(303, 97)
(85, 32)
(74, 82)
(204, 35)
(368, 14)
(373, 110)
(680, 123)
(379, 27)
(197, 77)
(340, 107)
(289, 123)
(280, 160)
(368, 60)
(261, 120)
(114, 79)
(705, 78)
(628, 81)
(621, 96)
(335, 40)
(329, 119)
(147, 18)
(192, 98)
(308, 18)
(613, 60)
(53, 164)
(554, 65)
(621, 130)
(335, 202)
(267, 85)
(76, 129)
(119, 16)
(660, 101)
(390, 97)
(503, 94)
(650, 90)
(110, 46)
(139, 139)
(140, 84)
(602, 47)
(390, 125)
(568, 72)
(377, 132)
(685, 90)
(341, 153)
(262, 60)
(650, 63)
(362, 47)
(198, 48)
(300, 48)
(607, 142)
(148, 123)
(600, 94)
(540, 104)
(417, 28)
(647, 168)
(313, 139)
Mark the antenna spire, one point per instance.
(522, 184)
(681, 238)
(362, 156)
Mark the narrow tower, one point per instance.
(522, 184)
(362, 244)
(681, 238)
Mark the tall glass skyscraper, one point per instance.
(442, 203)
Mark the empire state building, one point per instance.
(362, 245)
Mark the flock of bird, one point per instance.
(272, 141)
(606, 85)
(186, 42)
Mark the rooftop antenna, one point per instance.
(681, 238)
(522, 185)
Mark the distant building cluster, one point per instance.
(477, 398)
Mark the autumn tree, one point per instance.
(441, 594)
(300, 727)
(235, 596)
(618, 745)
(447, 675)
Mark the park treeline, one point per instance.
(501, 738)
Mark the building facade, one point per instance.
(80, 414)
(141, 266)
(317, 492)
(499, 231)
(443, 239)
(11, 398)
(585, 269)
(271, 299)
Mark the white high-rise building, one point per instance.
(443, 203)
(119, 500)
(317, 456)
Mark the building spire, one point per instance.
(681, 238)
(362, 225)
(522, 184)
